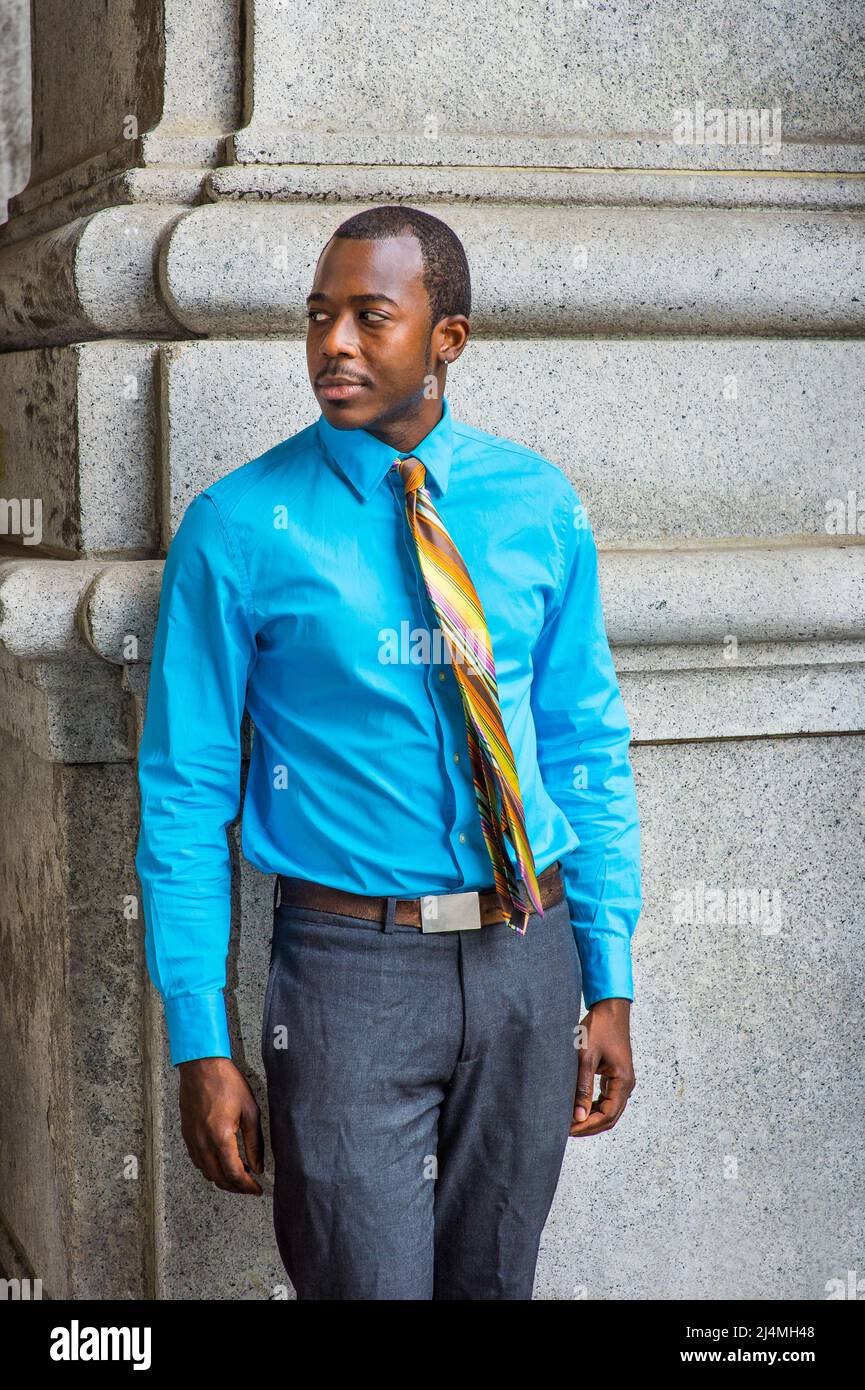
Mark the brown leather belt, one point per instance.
(432, 913)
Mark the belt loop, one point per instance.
(390, 915)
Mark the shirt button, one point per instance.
(456, 757)
(462, 838)
(443, 675)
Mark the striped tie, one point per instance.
(461, 618)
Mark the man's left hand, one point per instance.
(605, 1052)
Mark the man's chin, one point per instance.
(351, 414)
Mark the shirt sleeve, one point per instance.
(189, 777)
(583, 737)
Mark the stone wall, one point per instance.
(678, 324)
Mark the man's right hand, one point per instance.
(216, 1102)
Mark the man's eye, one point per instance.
(369, 315)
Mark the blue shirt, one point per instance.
(292, 588)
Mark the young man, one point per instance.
(409, 609)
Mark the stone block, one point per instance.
(730, 1175)
(79, 434)
(229, 268)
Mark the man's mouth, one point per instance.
(340, 388)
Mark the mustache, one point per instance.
(340, 376)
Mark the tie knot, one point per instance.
(412, 472)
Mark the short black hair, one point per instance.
(445, 267)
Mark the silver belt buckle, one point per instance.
(450, 912)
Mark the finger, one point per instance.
(253, 1139)
(606, 1110)
(585, 1086)
(233, 1171)
(208, 1165)
(596, 1123)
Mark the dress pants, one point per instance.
(420, 1089)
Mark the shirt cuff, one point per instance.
(606, 967)
(197, 1027)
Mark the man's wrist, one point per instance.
(204, 1063)
(614, 1004)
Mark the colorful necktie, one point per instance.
(462, 621)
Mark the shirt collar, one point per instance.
(364, 460)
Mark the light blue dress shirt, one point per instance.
(291, 588)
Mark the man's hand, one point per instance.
(606, 1052)
(216, 1102)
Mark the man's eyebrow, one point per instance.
(318, 296)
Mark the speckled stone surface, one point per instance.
(736, 1170)
(681, 438)
(783, 699)
(15, 100)
(197, 388)
(641, 185)
(111, 1187)
(76, 1179)
(92, 278)
(231, 268)
(170, 71)
(65, 711)
(79, 432)
(281, 145)
(607, 68)
(35, 1079)
(718, 595)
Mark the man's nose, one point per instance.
(339, 340)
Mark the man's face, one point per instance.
(368, 346)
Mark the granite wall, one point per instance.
(681, 283)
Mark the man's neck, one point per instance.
(405, 433)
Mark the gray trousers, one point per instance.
(420, 1089)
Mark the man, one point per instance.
(409, 609)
